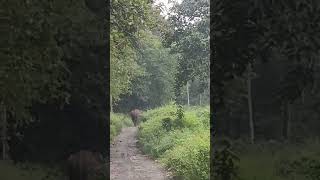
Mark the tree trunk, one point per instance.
(287, 120)
(303, 96)
(251, 123)
(188, 94)
(288, 126)
(4, 131)
(200, 100)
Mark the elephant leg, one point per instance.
(135, 121)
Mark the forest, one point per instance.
(166, 46)
(53, 85)
(265, 90)
(226, 89)
(56, 98)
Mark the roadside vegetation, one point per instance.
(181, 145)
(117, 122)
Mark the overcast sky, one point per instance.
(167, 4)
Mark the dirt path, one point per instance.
(128, 162)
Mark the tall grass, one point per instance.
(117, 122)
(184, 150)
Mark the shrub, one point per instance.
(117, 122)
(224, 164)
(190, 159)
(182, 145)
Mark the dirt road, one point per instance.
(128, 162)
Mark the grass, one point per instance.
(9, 171)
(184, 150)
(117, 122)
(262, 162)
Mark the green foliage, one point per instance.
(190, 157)
(190, 38)
(52, 58)
(128, 19)
(182, 145)
(121, 74)
(195, 91)
(156, 86)
(253, 31)
(224, 162)
(31, 69)
(117, 122)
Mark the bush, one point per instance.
(182, 145)
(117, 122)
(190, 159)
(224, 163)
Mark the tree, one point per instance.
(155, 86)
(128, 20)
(32, 69)
(244, 31)
(292, 28)
(57, 50)
(249, 97)
(121, 74)
(190, 38)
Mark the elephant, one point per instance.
(135, 116)
(85, 165)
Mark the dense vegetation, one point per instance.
(279, 48)
(53, 87)
(52, 80)
(117, 122)
(264, 79)
(182, 145)
(53, 73)
(169, 61)
(265, 84)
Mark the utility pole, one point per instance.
(188, 93)
(249, 97)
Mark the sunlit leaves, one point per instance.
(123, 65)
(160, 67)
(190, 38)
(128, 20)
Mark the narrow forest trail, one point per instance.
(128, 162)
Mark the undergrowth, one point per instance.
(181, 145)
(117, 122)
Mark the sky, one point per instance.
(167, 4)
